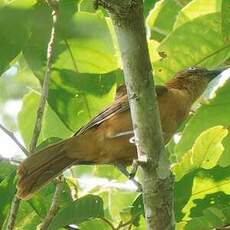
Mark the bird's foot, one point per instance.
(130, 175)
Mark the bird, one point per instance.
(105, 139)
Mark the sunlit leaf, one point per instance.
(88, 45)
(78, 97)
(95, 224)
(197, 8)
(216, 112)
(156, 22)
(52, 125)
(205, 152)
(226, 20)
(198, 42)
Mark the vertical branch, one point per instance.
(40, 113)
(13, 213)
(54, 205)
(45, 88)
(128, 20)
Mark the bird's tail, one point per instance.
(39, 168)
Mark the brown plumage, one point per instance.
(105, 139)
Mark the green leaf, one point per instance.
(226, 20)
(137, 209)
(81, 210)
(33, 211)
(14, 24)
(7, 191)
(35, 50)
(212, 218)
(95, 224)
(148, 5)
(76, 98)
(205, 152)
(5, 169)
(196, 9)
(216, 112)
(83, 43)
(52, 126)
(88, 45)
(157, 22)
(198, 42)
(200, 190)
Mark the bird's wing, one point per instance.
(119, 105)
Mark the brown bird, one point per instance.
(106, 138)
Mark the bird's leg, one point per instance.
(134, 167)
(130, 176)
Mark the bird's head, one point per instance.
(193, 79)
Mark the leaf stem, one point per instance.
(108, 222)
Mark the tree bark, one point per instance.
(128, 20)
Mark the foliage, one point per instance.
(85, 74)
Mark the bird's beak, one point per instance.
(211, 74)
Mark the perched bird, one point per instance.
(106, 138)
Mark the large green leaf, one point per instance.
(33, 211)
(197, 8)
(157, 22)
(95, 224)
(83, 42)
(212, 218)
(81, 210)
(148, 5)
(7, 191)
(52, 125)
(226, 20)
(216, 112)
(35, 50)
(88, 45)
(14, 24)
(78, 97)
(196, 42)
(211, 188)
(5, 169)
(205, 152)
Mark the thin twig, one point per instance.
(10, 160)
(129, 222)
(50, 52)
(108, 222)
(54, 205)
(45, 88)
(11, 135)
(40, 111)
(13, 213)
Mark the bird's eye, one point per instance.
(192, 68)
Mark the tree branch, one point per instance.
(11, 135)
(10, 160)
(54, 205)
(40, 112)
(13, 213)
(50, 53)
(45, 88)
(128, 20)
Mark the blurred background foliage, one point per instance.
(86, 73)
